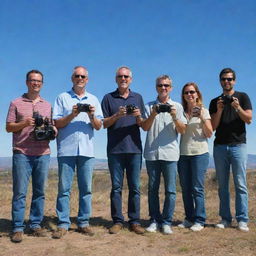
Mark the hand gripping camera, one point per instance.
(163, 107)
(83, 107)
(227, 99)
(130, 108)
(43, 129)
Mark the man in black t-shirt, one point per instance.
(229, 114)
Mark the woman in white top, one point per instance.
(194, 157)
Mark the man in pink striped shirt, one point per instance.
(30, 156)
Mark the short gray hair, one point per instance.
(76, 67)
(125, 67)
(162, 77)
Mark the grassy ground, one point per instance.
(210, 241)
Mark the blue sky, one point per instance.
(191, 40)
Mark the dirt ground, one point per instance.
(209, 241)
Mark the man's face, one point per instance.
(123, 78)
(163, 87)
(227, 82)
(79, 78)
(34, 83)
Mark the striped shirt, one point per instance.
(23, 140)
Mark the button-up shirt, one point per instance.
(76, 138)
(162, 138)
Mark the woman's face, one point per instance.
(190, 95)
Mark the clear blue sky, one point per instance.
(191, 40)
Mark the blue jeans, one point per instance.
(132, 163)
(84, 166)
(192, 171)
(236, 157)
(23, 167)
(169, 171)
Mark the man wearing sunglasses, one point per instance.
(229, 113)
(165, 120)
(123, 110)
(76, 113)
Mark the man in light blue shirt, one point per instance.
(76, 113)
(165, 120)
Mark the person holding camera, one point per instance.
(31, 154)
(123, 110)
(229, 114)
(165, 120)
(194, 157)
(76, 113)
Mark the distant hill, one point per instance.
(102, 164)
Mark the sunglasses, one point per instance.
(163, 85)
(227, 78)
(189, 92)
(121, 76)
(78, 76)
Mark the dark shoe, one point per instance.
(86, 231)
(137, 228)
(38, 232)
(115, 228)
(17, 237)
(59, 233)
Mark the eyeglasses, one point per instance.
(227, 78)
(35, 81)
(121, 76)
(163, 85)
(189, 92)
(78, 76)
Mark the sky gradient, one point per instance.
(190, 40)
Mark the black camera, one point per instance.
(83, 107)
(163, 107)
(130, 108)
(196, 111)
(43, 129)
(227, 99)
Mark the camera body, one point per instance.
(196, 111)
(83, 107)
(227, 99)
(43, 129)
(163, 107)
(130, 108)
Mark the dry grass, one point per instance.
(210, 241)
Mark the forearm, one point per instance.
(15, 127)
(109, 121)
(147, 123)
(96, 123)
(207, 128)
(245, 115)
(64, 121)
(215, 119)
(179, 126)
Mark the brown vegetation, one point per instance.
(209, 241)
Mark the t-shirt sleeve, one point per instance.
(58, 109)
(245, 102)
(11, 116)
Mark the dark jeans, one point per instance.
(117, 164)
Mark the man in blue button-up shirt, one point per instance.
(76, 113)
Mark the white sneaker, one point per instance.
(186, 224)
(243, 226)
(197, 227)
(223, 224)
(166, 229)
(152, 228)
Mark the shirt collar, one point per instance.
(25, 98)
(74, 95)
